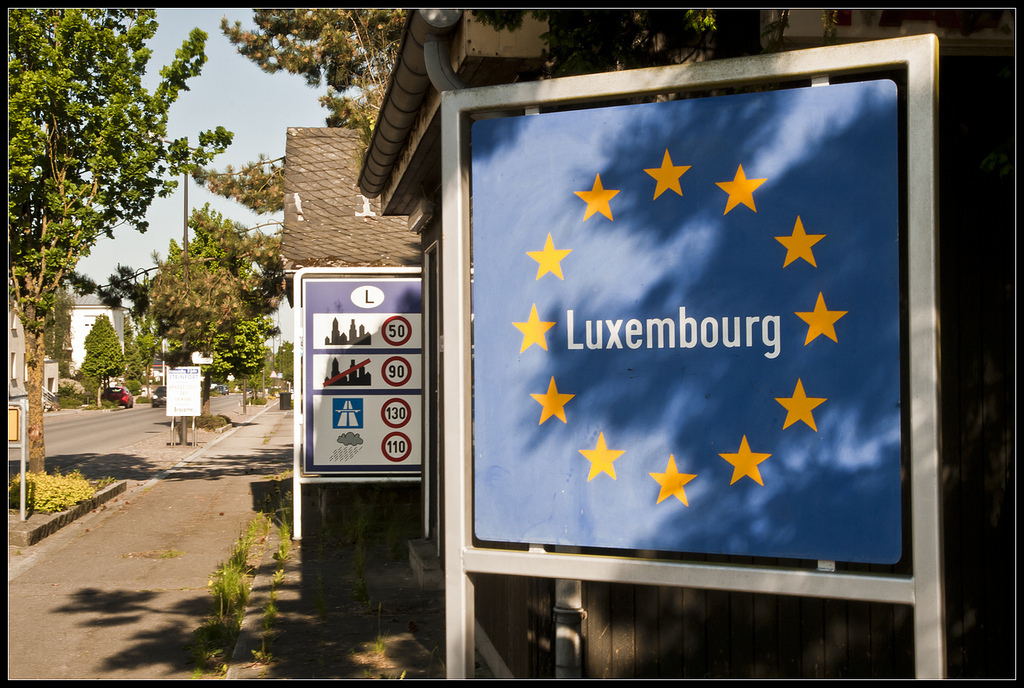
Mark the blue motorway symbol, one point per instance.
(347, 413)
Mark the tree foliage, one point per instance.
(86, 151)
(104, 358)
(257, 185)
(351, 51)
(57, 331)
(591, 41)
(227, 276)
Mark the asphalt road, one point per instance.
(77, 436)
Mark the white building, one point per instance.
(17, 372)
(84, 314)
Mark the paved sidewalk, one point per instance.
(118, 593)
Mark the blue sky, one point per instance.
(231, 92)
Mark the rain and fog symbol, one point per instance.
(349, 444)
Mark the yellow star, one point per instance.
(533, 330)
(745, 463)
(552, 403)
(740, 190)
(597, 200)
(798, 244)
(821, 321)
(549, 259)
(799, 407)
(667, 175)
(601, 458)
(672, 482)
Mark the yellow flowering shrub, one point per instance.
(50, 493)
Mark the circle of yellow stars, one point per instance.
(820, 322)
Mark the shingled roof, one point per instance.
(327, 221)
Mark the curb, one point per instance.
(250, 632)
(21, 535)
(28, 532)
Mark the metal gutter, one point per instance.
(409, 85)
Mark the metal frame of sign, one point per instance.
(918, 57)
(310, 360)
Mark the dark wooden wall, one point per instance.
(636, 631)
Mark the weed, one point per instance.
(320, 598)
(380, 643)
(229, 586)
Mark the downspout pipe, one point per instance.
(409, 85)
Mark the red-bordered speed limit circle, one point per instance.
(396, 371)
(396, 447)
(395, 412)
(396, 330)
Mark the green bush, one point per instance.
(212, 422)
(50, 493)
(258, 401)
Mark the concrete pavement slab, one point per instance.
(118, 593)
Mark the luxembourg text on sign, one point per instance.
(362, 376)
(687, 328)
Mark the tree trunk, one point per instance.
(35, 362)
(206, 392)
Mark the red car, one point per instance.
(119, 395)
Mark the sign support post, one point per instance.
(923, 588)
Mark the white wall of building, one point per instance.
(84, 314)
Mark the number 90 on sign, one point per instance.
(396, 371)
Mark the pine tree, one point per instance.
(351, 51)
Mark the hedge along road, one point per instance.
(76, 436)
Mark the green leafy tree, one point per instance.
(228, 277)
(104, 358)
(351, 51)
(135, 367)
(243, 352)
(57, 331)
(284, 361)
(86, 152)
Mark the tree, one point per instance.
(86, 152)
(243, 352)
(228, 278)
(284, 361)
(104, 358)
(57, 331)
(351, 51)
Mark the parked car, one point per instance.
(159, 396)
(222, 389)
(118, 394)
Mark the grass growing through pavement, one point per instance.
(230, 584)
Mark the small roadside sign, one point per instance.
(184, 391)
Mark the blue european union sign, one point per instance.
(687, 325)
